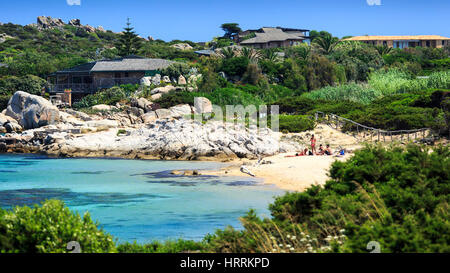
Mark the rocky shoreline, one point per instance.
(34, 125)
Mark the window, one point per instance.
(117, 75)
(428, 43)
(127, 75)
(76, 80)
(443, 42)
(88, 80)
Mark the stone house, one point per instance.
(91, 77)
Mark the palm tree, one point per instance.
(270, 55)
(326, 43)
(250, 54)
(383, 50)
(302, 51)
(228, 53)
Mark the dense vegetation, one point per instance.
(397, 196)
(32, 54)
(333, 76)
(49, 228)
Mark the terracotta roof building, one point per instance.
(434, 41)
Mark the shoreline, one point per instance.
(148, 143)
(293, 174)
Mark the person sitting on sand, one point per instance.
(328, 150)
(303, 153)
(321, 150)
(313, 144)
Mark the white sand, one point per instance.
(298, 173)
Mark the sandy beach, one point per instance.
(297, 173)
(290, 174)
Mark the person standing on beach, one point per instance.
(313, 144)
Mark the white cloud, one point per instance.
(74, 2)
(374, 2)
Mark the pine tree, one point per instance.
(129, 42)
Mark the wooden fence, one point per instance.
(369, 133)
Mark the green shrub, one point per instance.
(109, 96)
(129, 89)
(296, 124)
(396, 196)
(235, 67)
(296, 105)
(340, 108)
(48, 229)
(175, 98)
(176, 69)
(4, 99)
(395, 118)
(29, 83)
(178, 246)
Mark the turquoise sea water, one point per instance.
(135, 199)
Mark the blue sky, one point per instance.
(199, 20)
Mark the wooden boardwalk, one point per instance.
(369, 133)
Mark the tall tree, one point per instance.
(129, 42)
(326, 43)
(230, 29)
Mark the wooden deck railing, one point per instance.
(361, 131)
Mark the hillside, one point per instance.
(50, 44)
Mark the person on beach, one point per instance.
(328, 150)
(313, 144)
(321, 150)
(303, 153)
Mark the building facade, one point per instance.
(433, 41)
(92, 77)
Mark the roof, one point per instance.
(285, 29)
(395, 38)
(272, 35)
(123, 64)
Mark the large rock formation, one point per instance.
(176, 139)
(182, 80)
(182, 46)
(31, 111)
(75, 22)
(49, 22)
(4, 37)
(163, 90)
(142, 103)
(202, 105)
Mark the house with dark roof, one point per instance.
(272, 37)
(91, 77)
(434, 41)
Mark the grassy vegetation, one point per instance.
(381, 84)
